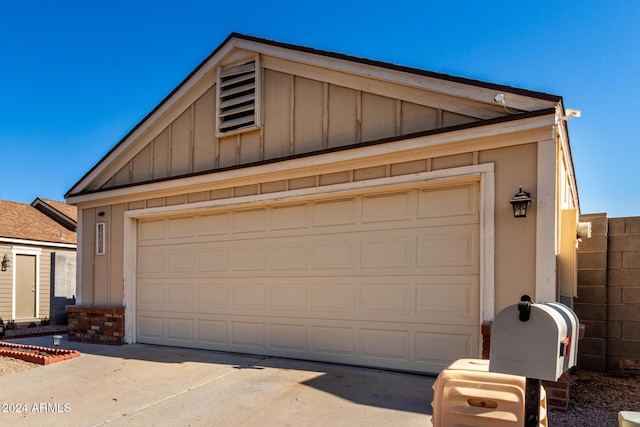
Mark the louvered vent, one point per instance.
(237, 98)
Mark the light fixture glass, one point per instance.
(56, 341)
(520, 203)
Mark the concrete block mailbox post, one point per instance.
(530, 342)
(538, 341)
(467, 394)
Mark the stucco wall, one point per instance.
(515, 237)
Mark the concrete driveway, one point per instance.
(153, 385)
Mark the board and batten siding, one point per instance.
(107, 269)
(300, 115)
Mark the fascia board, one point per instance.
(563, 134)
(433, 84)
(390, 89)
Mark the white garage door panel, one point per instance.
(150, 328)
(317, 218)
(448, 204)
(415, 250)
(180, 329)
(427, 348)
(212, 332)
(288, 337)
(384, 280)
(437, 299)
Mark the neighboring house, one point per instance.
(37, 258)
(293, 202)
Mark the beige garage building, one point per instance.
(292, 202)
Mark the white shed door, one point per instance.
(389, 279)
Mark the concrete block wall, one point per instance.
(608, 300)
(623, 295)
(591, 303)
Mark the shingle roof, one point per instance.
(64, 214)
(68, 210)
(23, 221)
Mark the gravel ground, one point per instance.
(596, 400)
(9, 365)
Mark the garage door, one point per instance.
(387, 279)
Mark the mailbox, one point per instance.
(534, 340)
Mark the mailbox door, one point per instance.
(528, 348)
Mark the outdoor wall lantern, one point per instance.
(520, 203)
(5, 262)
(56, 341)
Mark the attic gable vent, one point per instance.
(237, 94)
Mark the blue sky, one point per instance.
(76, 76)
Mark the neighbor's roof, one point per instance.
(25, 222)
(69, 211)
(66, 215)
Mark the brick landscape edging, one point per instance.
(20, 351)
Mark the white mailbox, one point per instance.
(534, 340)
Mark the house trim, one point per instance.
(37, 243)
(530, 128)
(304, 53)
(484, 172)
(546, 208)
